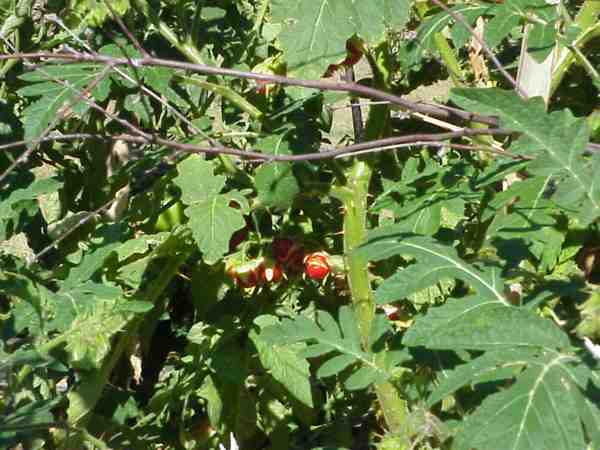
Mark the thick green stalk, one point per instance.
(354, 198)
(355, 230)
(354, 195)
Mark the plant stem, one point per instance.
(354, 194)
(226, 93)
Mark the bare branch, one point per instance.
(257, 155)
(445, 113)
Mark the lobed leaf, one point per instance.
(435, 261)
(478, 324)
(539, 411)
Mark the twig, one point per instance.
(358, 89)
(126, 30)
(482, 148)
(255, 154)
(460, 19)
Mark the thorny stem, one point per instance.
(354, 195)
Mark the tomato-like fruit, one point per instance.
(288, 253)
(281, 248)
(316, 265)
(248, 274)
(170, 217)
(237, 238)
(272, 272)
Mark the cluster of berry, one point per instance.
(288, 258)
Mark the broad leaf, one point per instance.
(284, 364)
(59, 86)
(275, 182)
(478, 324)
(557, 141)
(324, 334)
(197, 181)
(538, 412)
(492, 366)
(212, 220)
(435, 261)
(314, 33)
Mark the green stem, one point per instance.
(353, 195)
(187, 48)
(355, 230)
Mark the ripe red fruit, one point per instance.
(316, 265)
(282, 248)
(272, 273)
(248, 274)
(237, 238)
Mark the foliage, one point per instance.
(185, 265)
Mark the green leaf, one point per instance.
(326, 336)
(11, 207)
(557, 141)
(335, 365)
(283, 363)
(197, 181)
(362, 378)
(537, 412)
(213, 222)
(159, 79)
(277, 187)
(30, 414)
(108, 241)
(135, 104)
(275, 182)
(500, 26)
(314, 33)
(479, 324)
(435, 261)
(492, 366)
(541, 41)
(437, 22)
(54, 94)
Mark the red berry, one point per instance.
(272, 273)
(316, 265)
(281, 248)
(392, 312)
(237, 238)
(248, 274)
